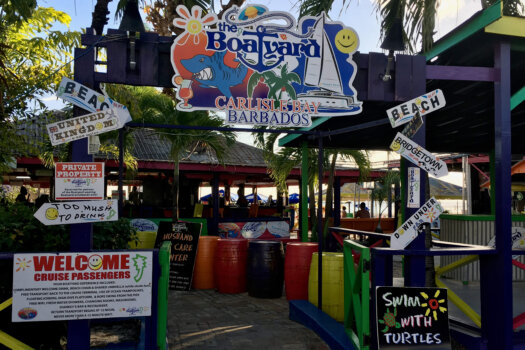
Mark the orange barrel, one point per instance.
(230, 265)
(333, 284)
(297, 269)
(203, 270)
(265, 269)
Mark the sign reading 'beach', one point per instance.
(260, 71)
(413, 152)
(423, 105)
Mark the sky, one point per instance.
(358, 14)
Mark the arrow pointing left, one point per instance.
(77, 212)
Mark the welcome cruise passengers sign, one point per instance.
(262, 72)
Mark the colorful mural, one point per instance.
(262, 72)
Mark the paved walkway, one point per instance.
(208, 320)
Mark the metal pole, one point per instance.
(120, 170)
(320, 227)
(303, 197)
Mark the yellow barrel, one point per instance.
(333, 284)
(146, 240)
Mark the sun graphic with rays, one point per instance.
(431, 215)
(22, 264)
(192, 22)
(433, 304)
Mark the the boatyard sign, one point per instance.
(79, 181)
(80, 127)
(259, 71)
(88, 99)
(413, 152)
(409, 230)
(425, 104)
(69, 286)
(60, 213)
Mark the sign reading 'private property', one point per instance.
(409, 230)
(413, 152)
(424, 104)
(84, 126)
(79, 181)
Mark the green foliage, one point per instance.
(21, 232)
(384, 186)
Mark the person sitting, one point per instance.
(344, 213)
(241, 201)
(22, 196)
(363, 212)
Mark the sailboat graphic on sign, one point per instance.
(323, 72)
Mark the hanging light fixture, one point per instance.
(393, 42)
(132, 23)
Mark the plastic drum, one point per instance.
(297, 269)
(230, 265)
(265, 270)
(333, 284)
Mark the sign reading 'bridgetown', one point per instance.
(260, 71)
(413, 152)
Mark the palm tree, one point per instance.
(382, 190)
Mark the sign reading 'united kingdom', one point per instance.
(261, 71)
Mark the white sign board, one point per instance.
(414, 181)
(72, 286)
(88, 99)
(408, 231)
(76, 181)
(84, 126)
(77, 212)
(413, 152)
(518, 239)
(429, 102)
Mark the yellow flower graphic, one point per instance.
(433, 304)
(22, 264)
(192, 23)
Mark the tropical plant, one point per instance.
(382, 191)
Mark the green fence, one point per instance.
(357, 293)
(162, 301)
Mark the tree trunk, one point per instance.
(313, 212)
(175, 190)
(100, 16)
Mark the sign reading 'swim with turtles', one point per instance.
(261, 71)
(412, 318)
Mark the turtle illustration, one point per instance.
(389, 320)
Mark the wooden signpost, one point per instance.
(184, 237)
(412, 318)
(62, 213)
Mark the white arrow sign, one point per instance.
(424, 104)
(77, 212)
(84, 126)
(408, 231)
(413, 152)
(88, 99)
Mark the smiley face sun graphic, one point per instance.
(95, 262)
(346, 40)
(51, 213)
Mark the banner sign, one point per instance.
(413, 152)
(88, 99)
(409, 230)
(84, 126)
(77, 212)
(262, 72)
(412, 317)
(413, 187)
(73, 286)
(518, 239)
(184, 237)
(425, 104)
(79, 181)
(255, 229)
(413, 126)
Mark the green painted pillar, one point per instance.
(304, 193)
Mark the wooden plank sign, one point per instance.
(412, 317)
(83, 126)
(88, 99)
(184, 237)
(414, 187)
(413, 152)
(79, 181)
(62, 213)
(424, 104)
(409, 230)
(413, 126)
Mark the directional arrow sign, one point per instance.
(424, 104)
(88, 99)
(418, 155)
(408, 231)
(84, 126)
(77, 212)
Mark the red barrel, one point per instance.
(204, 260)
(230, 265)
(297, 268)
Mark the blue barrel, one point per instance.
(265, 270)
